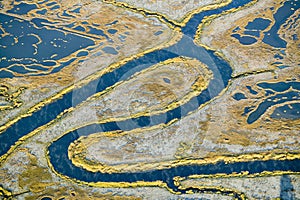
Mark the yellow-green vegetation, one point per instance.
(8, 99)
(34, 178)
(161, 87)
(74, 193)
(78, 152)
(164, 14)
(37, 181)
(5, 194)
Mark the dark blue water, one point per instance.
(112, 23)
(239, 96)
(251, 90)
(290, 91)
(282, 14)
(236, 29)
(112, 31)
(269, 92)
(55, 7)
(166, 80)
(283, 66)
(278, 56)
(51, 3)
(20, 69)
(245, 40)
(46, 198)
(82, 53)
(192, 25)
(158, 33)
(7, 74)
(79, 28)
(290, 111)
(42, 12)
(110, 50)
(96, 31)
(271, 101)
(65, 44)
(254, 28)
(77, 10)
(258, 24)
(287, 191)
(22, 8)
(58, 150)
(38, 67)
(252, 33)
(247, 110)
(184, 48)
(70, 25)
(280, 86)
(65, 14)
(59, 159)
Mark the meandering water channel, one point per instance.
(58, 150)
